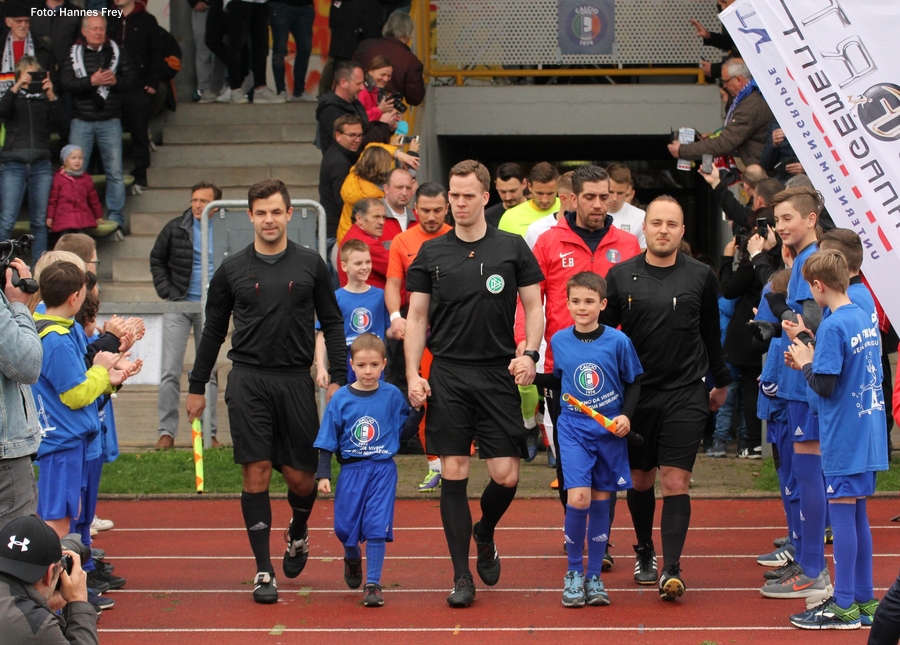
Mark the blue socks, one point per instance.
(374, 560)
(598, 535)
(575, 528)
(863, 588)
(843, 523)
(808, 471)
(795, 524)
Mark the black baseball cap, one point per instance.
(27, 547)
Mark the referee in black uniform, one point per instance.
(464, 285)
(667, 303)
(275, 289)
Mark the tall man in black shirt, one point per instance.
(464, 285)
(275, 289)
(667, 304)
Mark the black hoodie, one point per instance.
(330, 108)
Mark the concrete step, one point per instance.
(131, 269)
(234, 134)
(173, 201)
(114, 292)
(246, 155)
(228, 115)
(187, 176)
(132, 247)
(149, 223)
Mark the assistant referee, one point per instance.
(275, 289)
(667, 304)
(464, 286)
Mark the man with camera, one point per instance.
(20, 366)
(37, 579)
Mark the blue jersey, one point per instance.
(62, 369)
(595, 372)
(768, 404)
(363, 425)
(852, 419)
(791, 384)
(364, 313)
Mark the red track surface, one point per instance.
(189, 568)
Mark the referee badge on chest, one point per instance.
(495, 283)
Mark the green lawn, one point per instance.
(888, 481)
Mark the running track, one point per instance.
(189, 570)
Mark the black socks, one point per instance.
(301, 507)
(676, 517)
(494, 501)
(258, 519)
(457, 520)
(642, 504)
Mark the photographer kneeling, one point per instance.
(29, 109)
(34, 584)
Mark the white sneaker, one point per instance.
(306, 97)
(238, 97)
(225, 96)
(265, 96)
(208, 96)
(101, 525)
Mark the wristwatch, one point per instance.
(532, 354)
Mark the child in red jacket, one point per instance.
(74, 205)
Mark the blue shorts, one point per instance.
(364, 501)
(60, 481)
(592, 457)
(777, 423)
(859, 485)
(803, 424)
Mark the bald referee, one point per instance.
(464, 286)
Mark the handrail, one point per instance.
(422, 8)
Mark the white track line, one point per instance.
(305, 591)
(278, 630)
(499, 528)
(117, 558)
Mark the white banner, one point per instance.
(830, 74)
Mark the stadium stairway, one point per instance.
(233, 146)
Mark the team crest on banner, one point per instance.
(586, 26)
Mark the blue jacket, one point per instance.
(21, 355)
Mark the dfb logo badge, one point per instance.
(495, 284)
(880, 112)
(588, 379)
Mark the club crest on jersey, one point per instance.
(360, 320)
(365, 432)
(495, 283)
(613, 256)
(588, 379)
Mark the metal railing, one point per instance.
(204, 269)
(423, 17)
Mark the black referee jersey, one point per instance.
(473, 288)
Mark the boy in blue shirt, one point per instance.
(361, 304)
(598, 366)
(796, 217)
(66, 395)
(362, 424)
(843, 372)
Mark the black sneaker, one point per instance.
(789, 568)
(463, 593)
(99, 576)
(265, 592)
(671, 586)
(96, 584)
(488, 563)
(373, 597)
(353, 572)
(645, 571)
(296, 554)
(608, 560)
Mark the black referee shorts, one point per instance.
(273, 418)
(473, 402)
(672, 424)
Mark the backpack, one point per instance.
(171, 52)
